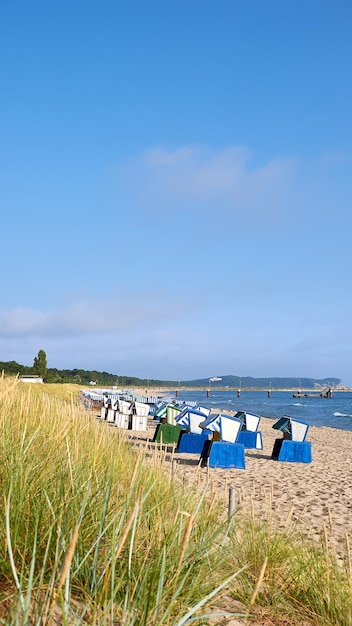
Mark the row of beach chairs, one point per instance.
(220, 439)
(126, 414)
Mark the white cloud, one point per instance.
(127, 314)
(200, 179)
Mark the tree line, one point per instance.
(106, 379)
(76, 376)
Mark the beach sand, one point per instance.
(315, 499)
(306, 495)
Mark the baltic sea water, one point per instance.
(335, 412)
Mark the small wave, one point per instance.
(337, 414)
(297, 404)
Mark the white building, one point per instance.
(31, 378)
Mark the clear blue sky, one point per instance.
(175, 186)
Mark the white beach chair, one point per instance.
(122, 420)
(125, 406)
(111, 416)
(141, 408)
(139, 422)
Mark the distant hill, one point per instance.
(85, 377)
(246, 382)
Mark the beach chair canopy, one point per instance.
(241, 415)
(184, 418)
(161, 410)
(125, 406)
(140, 408)
(212, 423)
(172, 410)
(203, 409)
(294, 429)
(250, 421)
(227, 425)
(299, 430)
(284, 424)
(195, 418)
(191, 404)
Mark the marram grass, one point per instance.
(90, 525)
(94, 531)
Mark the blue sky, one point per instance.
(176, 186)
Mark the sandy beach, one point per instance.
(308, 496)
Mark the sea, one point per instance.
(335, 412)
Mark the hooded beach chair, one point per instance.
(223, 451)
(167, 431)
(123, 418)
(249, 435)
(293, 447)
(160, 412)
(192, 436)
(172, 411)
(140, 412)
(105, 403)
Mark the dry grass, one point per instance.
(95, 532)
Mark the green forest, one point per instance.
(79, 376)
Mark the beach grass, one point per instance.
(302, 582)
(97, 531)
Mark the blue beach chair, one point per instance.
(223, 451)
(293, 447)
(249, 435)
(193, 437)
